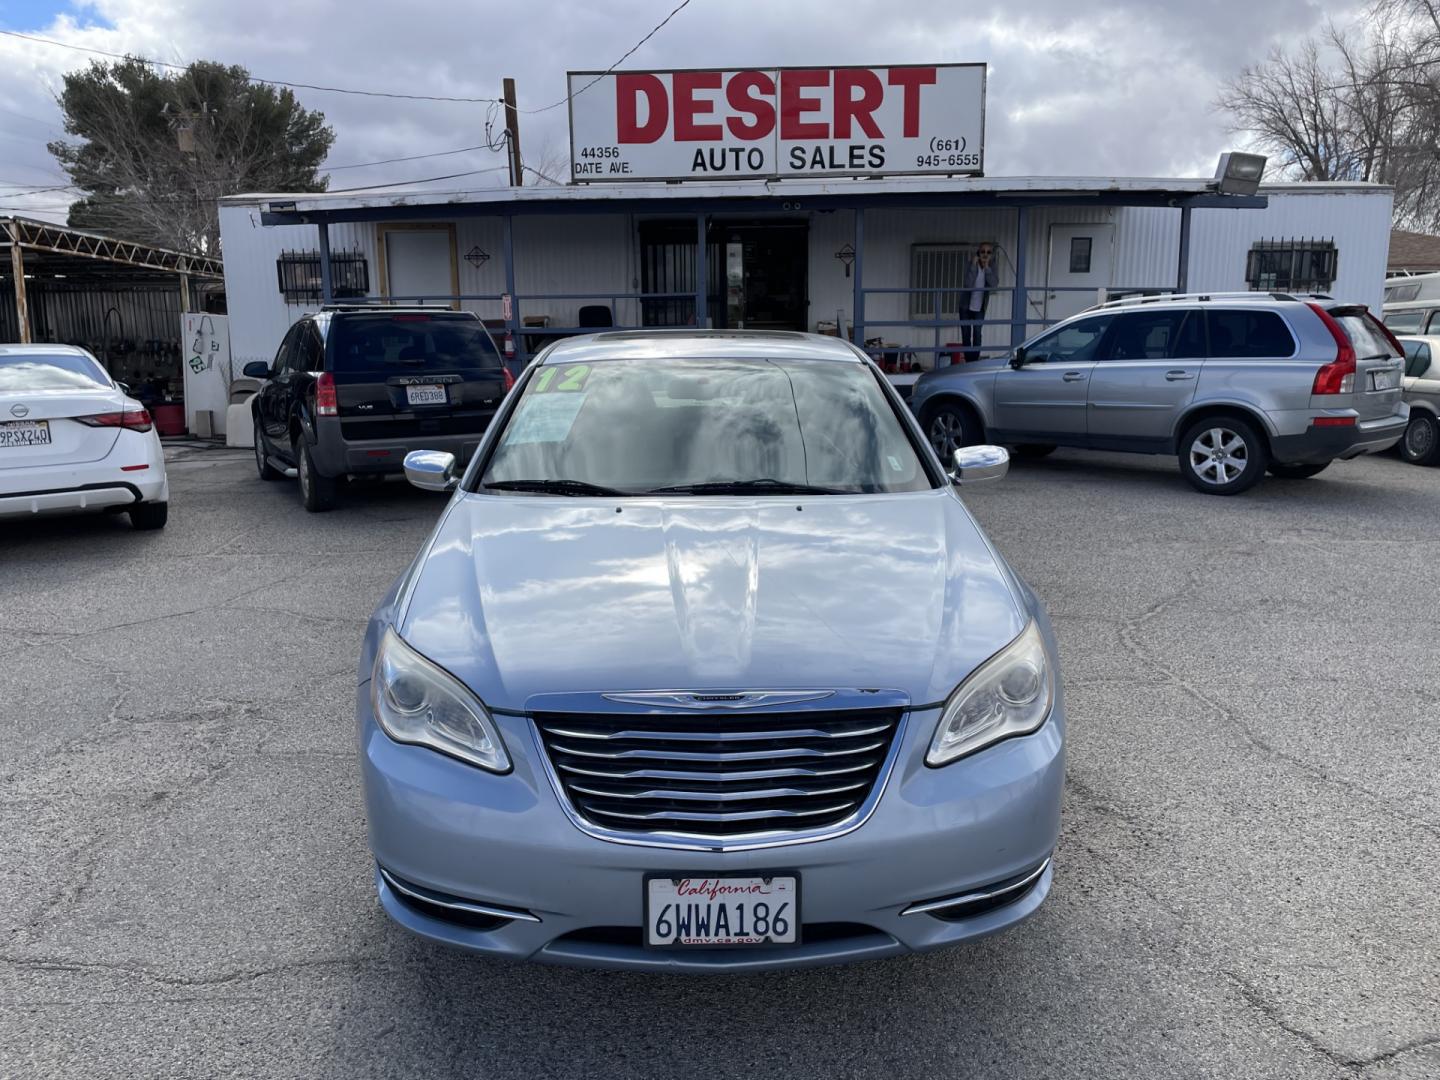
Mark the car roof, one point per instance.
(690, 343)
(43, 348)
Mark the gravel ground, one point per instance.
(1245, 887)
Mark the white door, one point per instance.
(417, 263)
(1081, 257)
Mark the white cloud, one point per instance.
(1076, 86)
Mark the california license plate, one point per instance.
(721, 912)
(1386, 379)
(425, 395)
(25, 433)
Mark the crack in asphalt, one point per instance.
(61, 964)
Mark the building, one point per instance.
(1413, 253)
(839, 200)
(801, 255)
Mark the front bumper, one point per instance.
(504, 842)
(1321, 444)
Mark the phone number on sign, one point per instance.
(952, 161)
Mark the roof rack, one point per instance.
(1159, 298)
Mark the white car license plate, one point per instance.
(425, 395)
(25, 433)
(1388, 379)
(721, 911)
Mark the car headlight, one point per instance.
(417, 702)
(1009, 694)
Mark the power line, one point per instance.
(403, 183)
(251, 78)
(412, 157)
(630, 52)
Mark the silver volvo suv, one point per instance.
(1233, 384)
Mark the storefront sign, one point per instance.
(777, 122)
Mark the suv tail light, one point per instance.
(509, 377)
(326, 404)
(130, 420)
(1338, 376)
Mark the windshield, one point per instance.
(59, 371)
(410, 342)
(1404, 322)
(639, 426)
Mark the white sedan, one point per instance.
(72, 439)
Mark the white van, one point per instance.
(1412, 304)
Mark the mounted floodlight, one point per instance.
(1239, 174)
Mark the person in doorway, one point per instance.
(978, 281)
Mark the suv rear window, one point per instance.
(407, 342)
(1365, 335)
(1249, 335)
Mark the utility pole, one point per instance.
(512, 135)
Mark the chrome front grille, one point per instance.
(719, 775)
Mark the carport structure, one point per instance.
(876, 230)
(77, 287)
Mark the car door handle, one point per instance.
(1073, 376)
(1178, 376)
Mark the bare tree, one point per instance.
(1354, 105)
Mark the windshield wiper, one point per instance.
(554, 487)
(766, 485)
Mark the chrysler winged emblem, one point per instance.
(718, 699)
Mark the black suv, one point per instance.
(352, 390)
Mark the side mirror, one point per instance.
(256, 369)
(977, 464)
(1017, 358)
(431, 470)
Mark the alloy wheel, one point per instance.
(947, 431)
(1219, 456)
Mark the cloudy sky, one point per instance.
(1075, 86)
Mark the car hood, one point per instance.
(529, 595)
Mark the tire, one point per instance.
(1420, 445)
(148, 516)
(316, 491)
(262, 463)
(1296, 472)
(949, 427)
(1223, 455)
(1034, 451)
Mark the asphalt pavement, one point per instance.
(1246, 885)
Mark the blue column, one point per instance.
(1019, 299)
(859, 302)
(1182, 270)
(702, 288)
(511, 324)
(327, 288)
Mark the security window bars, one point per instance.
(298, 273)
(939, 266)
(1291, 265)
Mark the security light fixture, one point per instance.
(1239, 174)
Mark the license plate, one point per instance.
(425, 395)
(721, 912)
(25, 433)
(1388, 379)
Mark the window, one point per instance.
(1249, 335)
(1433, 326)
(298, 273)
(1073, 343)
(309, 351)
(287, 347)
(1291, 266)
(638, 425)
(1405, 322)
(941, 266)
(1154, 335)
(1399, 294)
(411, 342)
(1080, 254)
(50, 371)
(1417, 359)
